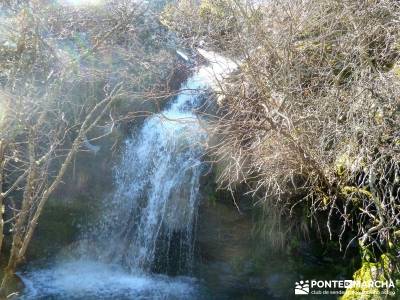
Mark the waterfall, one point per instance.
(154, 206)
(147, 227)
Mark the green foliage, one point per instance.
(382, 270)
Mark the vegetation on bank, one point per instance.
(310, 121)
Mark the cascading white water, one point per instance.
(157, 184)
(149, 220)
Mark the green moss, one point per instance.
(396, 70)
(213, 9)
(371, 271)
(353, 190)
(343, 163)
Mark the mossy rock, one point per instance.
(396, 70)
(372, 271)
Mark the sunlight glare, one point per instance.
(82, 2)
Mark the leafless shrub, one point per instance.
(312, 116)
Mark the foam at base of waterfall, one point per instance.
(93, 280)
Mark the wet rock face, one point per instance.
(177, 213)
(59, 227)
(231, 263)
(236, 263)
(225, 248)
(223, 232)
